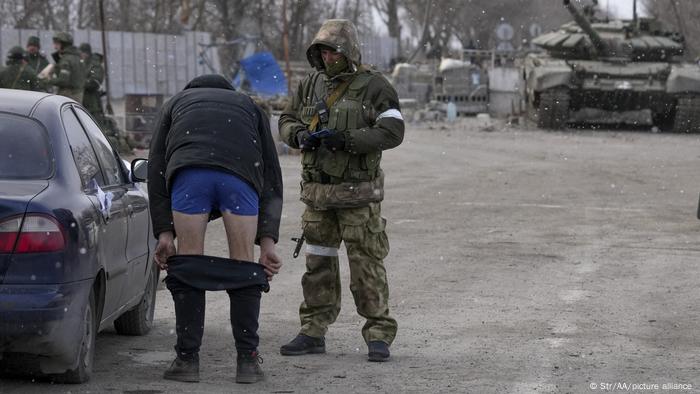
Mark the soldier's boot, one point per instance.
(248, 368)
(304, 344)
(183, 370)
(321, 286)
(378, 351)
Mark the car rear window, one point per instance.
(24, 151)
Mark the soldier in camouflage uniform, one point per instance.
(94, 76)
(35, 59)
(17, 74)
(342, 186)
(69, 75)
(92, 98)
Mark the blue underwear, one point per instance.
(202, 190)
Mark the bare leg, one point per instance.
(240, 231)
(190, 230)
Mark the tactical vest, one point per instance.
(351, 111)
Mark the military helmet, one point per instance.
(34, 41)
(63, 37)
(85, 48)
(16, 53)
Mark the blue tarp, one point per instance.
(263, 74)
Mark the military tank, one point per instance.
(599, 71)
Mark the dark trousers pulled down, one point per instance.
(188, 279)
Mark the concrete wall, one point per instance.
(504, 90)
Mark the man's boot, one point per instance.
(189, 326)
(183, 370)
(248, 369)
(378, 351)
(304, 344)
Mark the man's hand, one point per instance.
(268, 258)
(164, 249)
(306, 142)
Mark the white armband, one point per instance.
(391, 113)
(321, 250)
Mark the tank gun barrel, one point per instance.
(581, 20)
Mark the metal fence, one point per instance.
(142, 63)
(378, 50)
(147, 63)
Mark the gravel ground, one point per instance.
(522, 261)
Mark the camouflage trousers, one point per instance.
(362, 231)
(93, 103)
(75, 94)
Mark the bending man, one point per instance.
(212, 152)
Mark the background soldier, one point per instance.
(357, 114)
(94, 76)
(92, 98)
(17, 74)
(69, 75)
(35, 59)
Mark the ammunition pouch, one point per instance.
(322, 197)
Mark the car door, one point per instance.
(106, 191)
(137, 219)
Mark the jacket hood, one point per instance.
(339, 34)
(210, 81)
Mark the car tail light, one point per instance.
(9, 230)
(38, 234)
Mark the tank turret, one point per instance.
(604, 71)
(600, 46)
(587, 37)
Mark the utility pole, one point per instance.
(110, 111)
(285, 43)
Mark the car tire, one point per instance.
(82, 373)
(139, 319)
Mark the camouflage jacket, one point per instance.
(18, 76)
(368, 113)
(69, 74)
(37, 62)
(95, 73)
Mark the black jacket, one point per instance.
(210, 125)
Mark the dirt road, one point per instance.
(522, 262)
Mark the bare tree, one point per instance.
(681, 15)
(473, 22)
(389, 12)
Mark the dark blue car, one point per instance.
(75, 238)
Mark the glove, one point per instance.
(306, 142)
(335, 142)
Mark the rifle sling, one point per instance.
(337, 93)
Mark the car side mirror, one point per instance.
(139, 170)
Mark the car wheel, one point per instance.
(139, 320)
(82, 373)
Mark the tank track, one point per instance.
(553, 110)
(687, 119)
